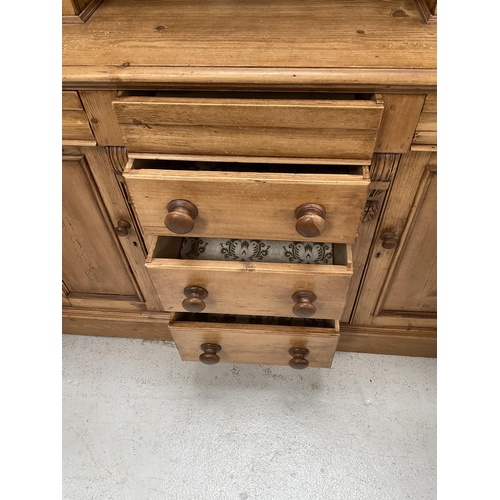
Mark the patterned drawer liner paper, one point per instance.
(295, 252)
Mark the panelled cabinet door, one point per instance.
(400, 285)
(99, 253)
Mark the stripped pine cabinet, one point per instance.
(258, 127)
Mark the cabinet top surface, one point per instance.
(286, 42)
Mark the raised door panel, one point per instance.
(95, 270)
(399, 288)
(413, 284)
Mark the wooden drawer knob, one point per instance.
(298, 361)
(194, 299)
(122, 227)
(389, 240)
(209, 356)
(304, 307)
(310, 220)
(181, 215)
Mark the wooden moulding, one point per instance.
(393, 341)
(155, 326)
(74, 13)
(226, 78)
(428, 10)
(126, 324)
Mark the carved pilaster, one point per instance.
(382, 171)
(118, 157)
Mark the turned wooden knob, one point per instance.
(310, 220)
(389, 240)
(298, 361)
(304, 307)
(181, 215)
(194, 299)
(122, 227)
(209, 356)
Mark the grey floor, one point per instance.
(139, 424)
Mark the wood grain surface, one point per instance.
(93, 263)
(127, 43)
(426, 132)
(256, 288)
(249, 205)
(254, 344)
(127, 324)
(255, 127)
(75, 124)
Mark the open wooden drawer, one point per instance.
(211, 339)
(248, 200)
(315, 125)
(276, 283)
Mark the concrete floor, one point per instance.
(139, 424)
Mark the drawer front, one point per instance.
(261, 344)
(75, 125)
(262, 288)
(290, 128)
(250, 205)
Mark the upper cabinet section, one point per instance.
(237, 44)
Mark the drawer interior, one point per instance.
(289, 97)
(240, 319)
(353, 171)
(246, 250)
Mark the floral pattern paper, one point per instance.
(243, 250)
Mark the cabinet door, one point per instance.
(100, 269)
(400, 284)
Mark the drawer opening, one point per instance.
(245, 167)
(288, 96)
(253, 320)
(246, 250)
